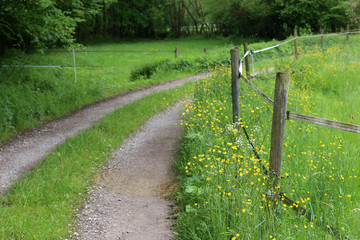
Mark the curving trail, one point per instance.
(23, 152)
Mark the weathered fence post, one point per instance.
(347, 32)
(74, 63)
(235, 83)
(205, 51)
(247, 63)
(176, 51)
(322, 39)
(295, 43)
(278, 131)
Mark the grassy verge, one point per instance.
(41, 205)
(224, 191)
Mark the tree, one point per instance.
(239, 17)
(355, 8)
(123, 19)
(277, 18)
(40, 23)
(330, 14)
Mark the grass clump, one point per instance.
(195, 65)
(224, 190)
(41, 205)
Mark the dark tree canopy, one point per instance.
(25, 23)
(40, 23)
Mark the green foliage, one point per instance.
(147, 70)
(40, 23)
(125, 19)
(278, 18)
(312, 15)
(195, 64)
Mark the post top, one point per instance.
(281, 73)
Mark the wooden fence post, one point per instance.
(247, 63)
(322, 39)
(235, 84)
(278, 131)
(347, 32)
(176, 51)
(295, 43)
(205, 51)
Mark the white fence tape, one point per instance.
(241, 60)
(293, 39)
(265, 49)
(277, 45)
(313, 36)
(260, 50)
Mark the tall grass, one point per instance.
(224, 190)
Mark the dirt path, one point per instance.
(21, 154)
(129, 198)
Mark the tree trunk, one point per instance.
(191, 16)
(104, 20)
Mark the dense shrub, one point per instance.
(195, 65)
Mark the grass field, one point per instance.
(224, 190)
(32, 95)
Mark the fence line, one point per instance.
(130, 51)
(280, 114)
(277, 144)
(296, 116)
(324, 122)
(328, 34)
(73, 51)
(274, 178)
(32, 66)
(257, 90)
(51, 66)
(251, 52)
(306, 118)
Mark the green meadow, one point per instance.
(224, 191)
(32, 95)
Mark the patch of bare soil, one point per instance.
(129, 200)
(24, 151)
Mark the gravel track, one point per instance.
(130, 197)
(24, 151)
